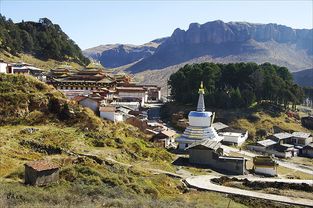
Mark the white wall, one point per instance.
(199, 121)
(236, 138)
(265, 171)
(3, 67)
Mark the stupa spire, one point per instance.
(201, 106)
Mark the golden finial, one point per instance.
(201, 89)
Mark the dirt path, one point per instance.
(204, 183)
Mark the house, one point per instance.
(307, 150)
(271, 147)
(132, 94)
(82, 81)
(165, 137)
(110, 113)
(280, 137)
(209, 153)
(24, 68)
(234, 138)
(300, 138)
(41, 173)
(264, 165)
(261, 146)
(230, 135)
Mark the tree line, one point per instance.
(235, 85)
(42, 39)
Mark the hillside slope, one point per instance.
(102, 163)
(116, 55)
(304, 78)
(42, 64)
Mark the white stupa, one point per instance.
(200, 125)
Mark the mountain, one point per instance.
(221, 42)
(304, 78)
(43, 40)
(116, 55)
(237, 41)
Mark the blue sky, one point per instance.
(91, 23)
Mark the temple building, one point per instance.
(83, 80)
(200, 125)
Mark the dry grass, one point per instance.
(44, 64)
(290, 173)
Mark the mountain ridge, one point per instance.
(221, 42)
(125, 53)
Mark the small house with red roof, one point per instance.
(42, 172)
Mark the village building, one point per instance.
(264, 165)
(83, 81)
(41, 173)
(132, 94)
(111, 113)
(200, 125)
(233, 138)
(307, 150)
(300, 138)
(60, 72)
(230, 135)
(271, 147)
(281, 137)
(26, 69)
(208, 153)
(166, 138)
(154, 93)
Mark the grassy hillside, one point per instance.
(102, 164)
(43, 64)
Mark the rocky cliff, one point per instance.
(238, 41)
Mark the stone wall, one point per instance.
(228, 165)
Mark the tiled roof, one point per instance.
(210, 144)
(42, 165)
(282, 135)
(263, 161)
(169, 133)
(219, 126)
(266, 142)
(130, 89)
(301, 134)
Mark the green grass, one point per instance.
(83, 181)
